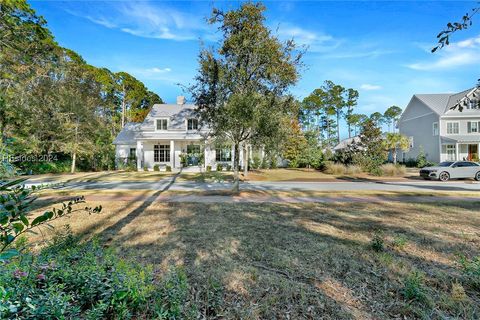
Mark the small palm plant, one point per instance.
(394, 142)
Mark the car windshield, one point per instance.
(445, 164)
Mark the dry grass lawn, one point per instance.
(293, 261)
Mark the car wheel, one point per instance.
(477, 176)
(444, 176)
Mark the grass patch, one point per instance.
(310, 260)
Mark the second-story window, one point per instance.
(452, 128)
(472, 127)
(435, 128)
(161, 124)
(192, 124)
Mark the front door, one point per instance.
(473, 152)
(193, 154)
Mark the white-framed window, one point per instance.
(133, 153)
(472, 127)
(451, 152)
(411, 142)
(452, 128)
(161, 124)
(223, 154)
(435, 128)
(161, 153)
(192, 124)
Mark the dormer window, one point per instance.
(192, 124)
(161, 124)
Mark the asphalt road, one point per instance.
(169, 184)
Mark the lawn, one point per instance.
(214, 176)
(292, 261)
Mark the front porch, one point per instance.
(457, 151)
(176, 154)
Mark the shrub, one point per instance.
(399, 242)
(256, 162)
(377, 243)
(471, 271)
(145, 168)
(413, 287)
(273, 163)
(209, 168)
(229, 167)
(168, 168)
(219, 167)
(393, 170)
(335, 168)
(46, 167)
(156, 167)
(265, 164)
(70, 280)
(411, 163)
(352, 169)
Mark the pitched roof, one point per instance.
(128, 133)
(167, 110)
(441, 103)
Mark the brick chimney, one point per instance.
(180, 100)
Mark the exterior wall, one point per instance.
(462, 125)
(122, 151)
(417, 122)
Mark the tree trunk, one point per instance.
(338, 127)
(349, 131)
(236, 158)
(245, 161)
(123, 112)
(74, 159)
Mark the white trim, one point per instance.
(458, 127)
(161, 118)
(437, 131)
(423, 115)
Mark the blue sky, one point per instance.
(382, 49)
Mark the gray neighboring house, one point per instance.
(168, 132)
(444, 134)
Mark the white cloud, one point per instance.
(314, 41)
(460, 54)
(159, 70)
(369, 87)
(146, 19)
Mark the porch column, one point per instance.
(139, 154)
(172, 153)
(456, 151)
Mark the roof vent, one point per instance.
(180, 100)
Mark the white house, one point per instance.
(443, 134)
(169, 133)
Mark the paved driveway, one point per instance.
(170, 184)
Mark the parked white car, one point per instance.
(452, 170)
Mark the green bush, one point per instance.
(46, 167)
(145, 168)
(256, 162)
(471, 271)
(413, 287)
(72, 280)
(377, 243)
(168, 168)
(219, 167)
(209, 168)
(156, 167)
(229, 167)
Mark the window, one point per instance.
(192, 124)
(161, 153)
(162, 124)
(466, 164)
(451, 154)
(193, 149)
(133, 153)
(452, 127)
(435, 128)
(472, 104)
(472, 127)
(411, 142)
(223, 154)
